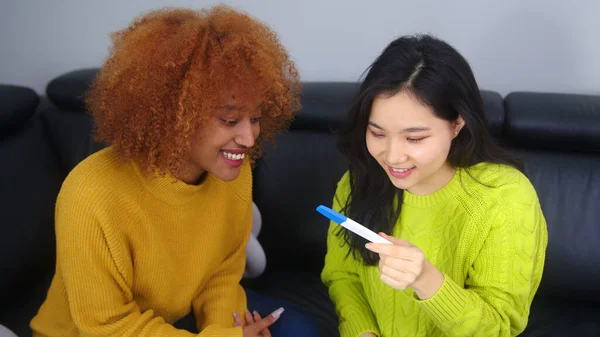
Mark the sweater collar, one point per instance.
(438, 197)
(171, 190)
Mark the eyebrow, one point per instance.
(231, 107)
(407, 130)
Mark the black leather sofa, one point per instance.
(556, 135)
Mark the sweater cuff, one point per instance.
(357, 326)
(448, 303)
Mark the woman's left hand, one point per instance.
(404, 265)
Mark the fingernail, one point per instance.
(368, 246)
(247, 310)
(278, 312)
(255, 312)
(235, 325)
(235, 314)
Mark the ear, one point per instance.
(457, 125)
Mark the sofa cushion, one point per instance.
(71, 133)
(30, 179)
(324, 105)
(493, 106)
(555, 317)
(553, 122)
(17, 105)
(66, 91)
(290, 181)
(25, 305)
(568, 186)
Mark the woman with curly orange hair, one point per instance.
(155, 225)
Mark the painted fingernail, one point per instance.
(235, 314)
(247, 310)
(255, 312)
(235, 325)
(278, 312)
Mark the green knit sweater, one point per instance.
(484, 231)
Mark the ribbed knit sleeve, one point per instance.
(223, 295)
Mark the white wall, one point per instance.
(512, 45)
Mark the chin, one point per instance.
(228, 176)
(402, 184)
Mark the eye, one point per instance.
(415, 140)
(376, 135)
(255, 120)
(228, 122)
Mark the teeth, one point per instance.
(401, 170)
(232, 156)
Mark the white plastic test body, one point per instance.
(351, 225)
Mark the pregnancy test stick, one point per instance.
(351, 225)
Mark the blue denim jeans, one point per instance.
(292, 323)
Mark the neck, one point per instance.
(191, 175)
(434, 183)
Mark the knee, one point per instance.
(297, 324)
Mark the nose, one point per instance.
(246, 134)
(395, 153)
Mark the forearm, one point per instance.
(134, 324)
(216, 306)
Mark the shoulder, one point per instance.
(342, 192)
(343, 186)
(504, 198)
(97, 187)
(344, 182)
(498, 182)
(96, 177)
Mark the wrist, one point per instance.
(429, 282)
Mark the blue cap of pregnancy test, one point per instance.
(331, 214)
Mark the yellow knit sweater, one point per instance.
(484, 231)
(135, 254)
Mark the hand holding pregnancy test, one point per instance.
(401, 264)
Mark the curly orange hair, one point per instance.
(166, 72)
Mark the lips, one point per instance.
(234, 157)
(401, 172)
(235, 151)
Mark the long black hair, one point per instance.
(436, 74)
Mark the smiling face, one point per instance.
(222, 144)
(411, 143)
